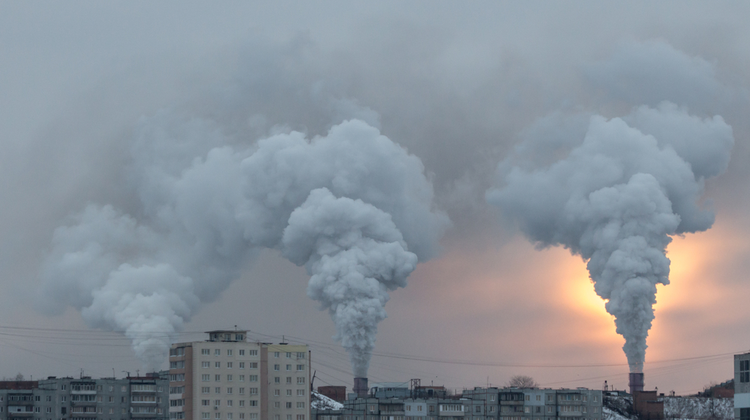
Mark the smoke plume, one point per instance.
(625, 187)
(353, 207)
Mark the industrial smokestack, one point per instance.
(636, 382)
(360, 387)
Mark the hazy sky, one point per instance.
(459, 86)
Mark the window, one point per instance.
(277, 380)
(217, 352)
(205, 390)
(276, 404)
(300, 354)
(229, 365)
(229, 378)
(217, 365)
(179, 377)
(242, 378)
(300, 392)
(300, 417)
(276, 354)
(242, 416)
(48, 398)
(229, 390)
(242, 365)
(253, 403)
(253, 352)
(205, 352)
(205, 415)
(276, 392)
(217, 415)
(288, 404)
(217, 378)
(64, 387)
(217, 390)
(744, 371)
(253, 378)
(205, 378)
(253, 365)
(242, 391)
(276, 367)
(301, 380)
(110, 399)
(229, 403)
(528, 397)
(538, 397)
(253, 391)
(205, 364)
(242, 352)
(300, 404)
(229, 352)
(217, 403)
(288, 392)
(300, 367)
(229, 416)
(205, 402)
(288, 367)
(288, 379)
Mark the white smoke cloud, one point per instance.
(352, 206)
(615, 200)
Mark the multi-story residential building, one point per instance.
(476, 404)
(141, 398)
(742, 386)
(532, 404)
(228, 378)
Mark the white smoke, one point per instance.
(622, 191)
(352, 206)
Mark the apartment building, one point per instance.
(742, 386)
(141, 398)
(228, 378)
(532, 404)
(476, 404)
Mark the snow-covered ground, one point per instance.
(682, 408)
(321, 402)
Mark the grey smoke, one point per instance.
(352, 206)
(624, 188)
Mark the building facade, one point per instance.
(142, 398)
(228, 378)
(533, 403)
(477, 404)
(742, 386)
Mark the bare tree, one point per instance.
(522, 381)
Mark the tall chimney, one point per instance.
(636, 382)
(360, 387)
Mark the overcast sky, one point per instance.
(460, 87)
